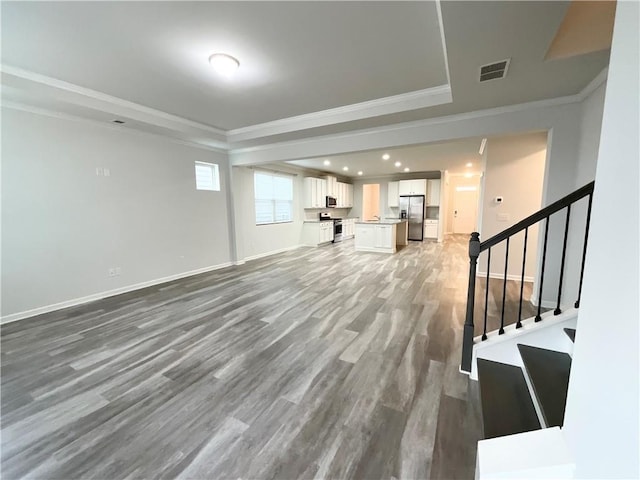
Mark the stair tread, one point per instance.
(549, 374)
(571, 332)
(507, 407)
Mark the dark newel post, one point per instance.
(467, 339)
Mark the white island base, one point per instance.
(383, 236)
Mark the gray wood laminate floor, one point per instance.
(316, 363)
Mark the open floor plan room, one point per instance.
(300, 365)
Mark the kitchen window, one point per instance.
(207, 176)
(274, 198)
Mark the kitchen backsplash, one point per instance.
(313, 214)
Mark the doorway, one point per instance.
(465, 208)
(371, 201)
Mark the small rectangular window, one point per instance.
(273, 198)
(207, 176)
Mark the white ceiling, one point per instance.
(452, 156)
(297, 59)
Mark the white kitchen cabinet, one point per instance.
(349, 196)
(412, 187)
(340, 194)
(344, 195)
(315, 192)
(433, 193)
(430, 228)
(383, 236)
(348, 227)
(331, 186)
(317, 233)
(392, 194)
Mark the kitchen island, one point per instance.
(381, 235)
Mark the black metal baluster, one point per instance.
(584, 250)
(486, 295)
(557, 311)
(524, 259)
(504, 288)
(544, 258)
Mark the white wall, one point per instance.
(63, 227)
(514, 170)
(601, 419)
(590, 125)
(257, 240)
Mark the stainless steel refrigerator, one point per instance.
(413, 205)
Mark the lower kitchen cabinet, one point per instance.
(348, 227)
(317, 233)
(430, 228)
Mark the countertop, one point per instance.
(386, 221)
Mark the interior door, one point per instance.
(465, 209)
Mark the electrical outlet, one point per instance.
(107, 172)
(99, 172)
(111, 272)
(503, 217)
(118, 270)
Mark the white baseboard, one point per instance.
(109, 293)
(500, 276)
(129, 288)
(272, 252)
(545, 303)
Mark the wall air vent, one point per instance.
(494, 70)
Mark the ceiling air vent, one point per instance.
(494, 70)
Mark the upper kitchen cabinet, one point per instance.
(332, 188)
(412, 187)
(315, 193)
(392, 194)
(433, 193)
(344, 195)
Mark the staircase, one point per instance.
(523, 367)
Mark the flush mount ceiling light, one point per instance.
(406, 169)
(224, 64)
(386, 156)
(397, 164)
(346, 169)
(360, 172)
(327, 162)
(469, 164)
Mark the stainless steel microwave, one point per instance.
(331, 201)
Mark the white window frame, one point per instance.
(273, 198)
(212, 183)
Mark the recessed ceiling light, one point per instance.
(468, 175)
(360, 172)
(224, 64)
(346, 169)
(386, 156)
(469, 164)
(406, 169)
(397, 164)
(327, 162)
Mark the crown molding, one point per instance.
(110, 126)
(47, 87)
(594, 84)
(382, 106)
(385, 129)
